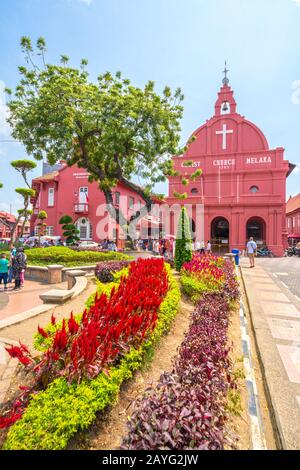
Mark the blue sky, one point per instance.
(175, 42)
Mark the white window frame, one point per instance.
(131, 202)
(50, 197)
(83, 190)
(50, 231)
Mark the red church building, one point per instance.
(243, 186)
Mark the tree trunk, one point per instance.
(128, 225)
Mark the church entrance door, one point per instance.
(220, 235)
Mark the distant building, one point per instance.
(293, 218)
(6, 224)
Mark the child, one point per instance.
(4, 269)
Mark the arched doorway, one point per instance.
(85, 228)
(256, 228)
(220, 235)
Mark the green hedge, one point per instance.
(194, 287)
(67, 257)
(56, 414)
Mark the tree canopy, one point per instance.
(109, 127)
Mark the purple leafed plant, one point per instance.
(104, 270)
(187, 409)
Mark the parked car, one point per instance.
(88, 244)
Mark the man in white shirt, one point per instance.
(251, 251)
(197, 246)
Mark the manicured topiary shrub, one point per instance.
(183, 246)
(70, 231)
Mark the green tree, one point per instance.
(183, 246)
(70, 230)
(23, 167)
(111, 128)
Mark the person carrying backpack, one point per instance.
(251, 251)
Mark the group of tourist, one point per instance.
(201, 247)
(159, 247)
(13, 267)
(166, 247)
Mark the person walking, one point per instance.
(4, 265)
(251, 251)
(202, 247)
(22, 277)
(208, 247)
(13, 253)
(19, 264)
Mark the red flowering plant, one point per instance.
(208, 273)
(111, 326)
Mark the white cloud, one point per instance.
(4, 126)
(13, 206)
(296, 2)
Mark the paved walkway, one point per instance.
(275, 314)
(13, 302)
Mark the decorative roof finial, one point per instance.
(225, 79)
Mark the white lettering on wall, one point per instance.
(81, 175)
(227, 163)
(258, 160)
(194, 165)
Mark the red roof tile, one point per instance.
(293, 204)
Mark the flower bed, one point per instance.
(104, 271)
(88, 361)
(207, 273)
(187, 409)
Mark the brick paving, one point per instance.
(275, 315)
(286, 270)
(13, 302)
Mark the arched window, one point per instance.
(254, 189)
(194, 191)
(85, 228)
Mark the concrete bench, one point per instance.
(77, 282)
(56, 296)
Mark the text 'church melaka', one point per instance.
(243, 184)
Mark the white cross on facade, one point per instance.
(224, 133)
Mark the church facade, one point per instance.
(242, 190)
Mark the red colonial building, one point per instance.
(293, 218)
(7, 222)
(242, 190)
(66, 190)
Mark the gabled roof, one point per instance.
(47, 177)
(9, 218)
(293, 204)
